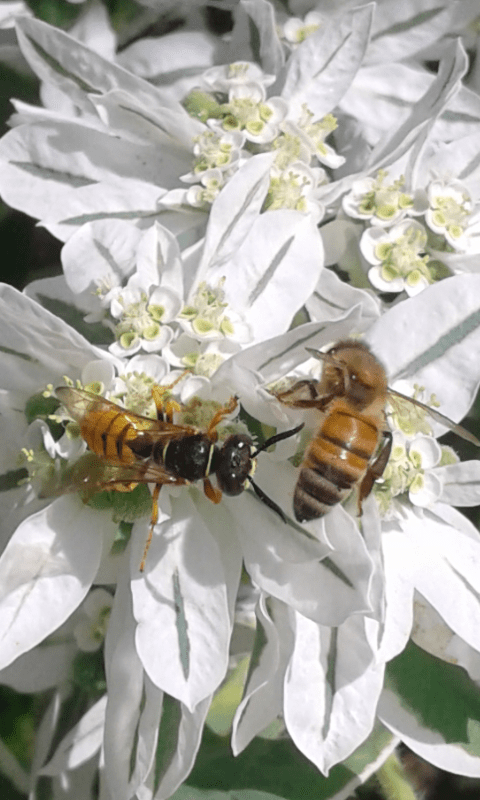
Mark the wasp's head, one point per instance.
(234, 464)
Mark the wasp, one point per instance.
(352, 444)
(128, 449)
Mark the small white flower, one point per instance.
(398, 257)
(142, 318)
(295, 188)
(227, 76)
(38, 454)
(449, 212)
(312, 134)
(202, 195)
(412, 468)
(215, 150)
(203, 358)
(381, 203)
(249, 111)
(208, 316)
(295, 30)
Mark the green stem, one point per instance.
(393, 782)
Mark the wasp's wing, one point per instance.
(91, 474)
(441, 418)
(80, 403)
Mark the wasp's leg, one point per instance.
(166, 407)
(219, 415)
(213, 494)
(375, 470)
(153, 522)
(119, 486)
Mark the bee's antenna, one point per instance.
(319, 355)
(266, 499)
(277, 438)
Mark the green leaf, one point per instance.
(268, 769)
(187, 793)
(226, 700)
(123, 13)
(168, 735)
(11, 479)
(55, 12)
(380, 741)
(441, 696)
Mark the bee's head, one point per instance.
(351, 369)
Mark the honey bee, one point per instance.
(128, 449)
(352, 444)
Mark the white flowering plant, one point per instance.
(229, 207)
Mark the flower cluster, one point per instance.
(405, 254)
(226, 219)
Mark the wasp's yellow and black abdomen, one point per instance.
(107, 432)
(335, 461)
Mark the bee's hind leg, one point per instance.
(375, 470)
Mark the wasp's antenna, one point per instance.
(266, 499)
(277, 438)
(259, 492)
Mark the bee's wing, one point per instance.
(441, 418)
(91, 474)
(80, 403)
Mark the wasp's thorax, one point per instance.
(188, 457)
(195, 457)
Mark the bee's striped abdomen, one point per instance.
(335, 461)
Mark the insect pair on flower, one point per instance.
(350, 447)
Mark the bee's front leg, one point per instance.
(304, 394)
